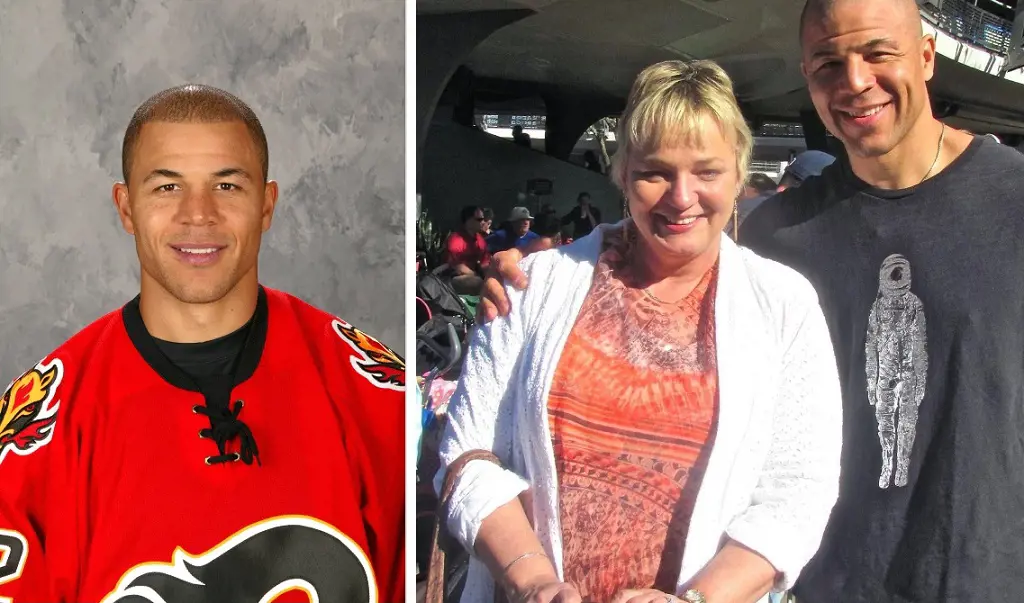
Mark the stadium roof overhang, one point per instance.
(596, 47)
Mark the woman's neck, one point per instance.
(671, 278)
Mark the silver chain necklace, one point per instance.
(938, 151)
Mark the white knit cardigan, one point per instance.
(773, 474)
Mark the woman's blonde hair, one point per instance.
(670, 103)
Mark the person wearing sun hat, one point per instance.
(514, 233)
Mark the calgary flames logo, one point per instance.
(279, 560)
(27, 417)
(375, 361)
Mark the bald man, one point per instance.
(211, 440)
(914, 246)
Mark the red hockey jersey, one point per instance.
(106, 493)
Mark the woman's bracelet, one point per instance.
(504, 572)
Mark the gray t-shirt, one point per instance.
(923, 291)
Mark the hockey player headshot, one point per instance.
(213, 440)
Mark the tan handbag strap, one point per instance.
(456, 468)
(435, 574)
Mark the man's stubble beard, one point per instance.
(198, 291)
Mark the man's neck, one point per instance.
(170, 319)
(908, 164)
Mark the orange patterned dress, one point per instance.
(632, 411)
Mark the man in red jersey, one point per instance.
(213, 440)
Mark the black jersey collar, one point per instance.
(248, 360)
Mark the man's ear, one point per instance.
(122, 202)
(928, 56)
(270, 193)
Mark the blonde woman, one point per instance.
(665, 404)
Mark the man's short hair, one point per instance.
(193, 103)
(468, 212)
(815, 7)
(824, 7)
(762, 183)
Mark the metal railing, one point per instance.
(782, 130)
(766, 167)
(971, 24)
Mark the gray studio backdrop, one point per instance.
(326, 77)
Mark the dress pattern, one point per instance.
(632, 410)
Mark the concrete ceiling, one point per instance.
(598, 46)
(429, 7)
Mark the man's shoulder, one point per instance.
(330, 335)
(793, 206)
(29, 406)
(373, 363)
(79, 345)
(813, 194)
(991, 159)
(1001, 152)
(305, 312)
(455, 239)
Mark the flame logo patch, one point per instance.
(282, 559)
(28, 412)
(373, 360)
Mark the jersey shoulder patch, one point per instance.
(371, 359)
(28, 409)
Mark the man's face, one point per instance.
(584, 201)
(475, 225)
(197, 203)
(866, 65)
(522, 227)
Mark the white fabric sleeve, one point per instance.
(799, 482)
(480, 416)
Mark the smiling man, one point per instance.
(211, 440)
(913, 245)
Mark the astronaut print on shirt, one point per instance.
(897, 365)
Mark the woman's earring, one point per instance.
(736, 221)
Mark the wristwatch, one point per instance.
(693, 596)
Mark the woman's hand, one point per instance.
(550, 591)
(647, 595)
